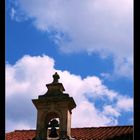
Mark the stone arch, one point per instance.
(56, 113)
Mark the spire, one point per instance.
(55, 78)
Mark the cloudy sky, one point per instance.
(88, 42)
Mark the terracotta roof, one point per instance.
(102, 133)
(88, 133)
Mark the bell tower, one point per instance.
(54, 109)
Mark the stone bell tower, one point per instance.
(54, 104)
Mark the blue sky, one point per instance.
(87, 42)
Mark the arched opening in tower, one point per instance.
(52, 125)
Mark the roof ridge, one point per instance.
(103, 126)
(24, 130)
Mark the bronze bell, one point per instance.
(53, 124)
(53, 133)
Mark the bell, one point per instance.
(53, 133)
(53, 124)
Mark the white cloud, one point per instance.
(13, 13)
(100, 26)
(26, 79)
(20, 87)
(109, 110)
(24, 75)
(125, 103)
(90, 116)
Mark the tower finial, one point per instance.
(55, 78)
